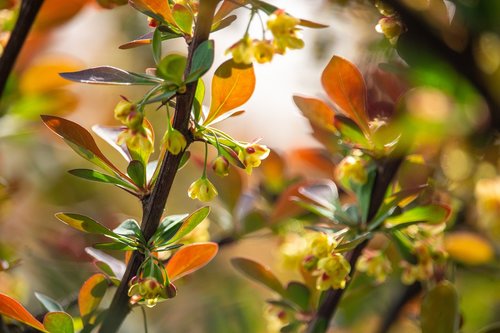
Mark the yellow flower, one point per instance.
(263, 51)
(351, 169)
(284, 29)
(375, 264)
(333, 272)
(321, 244)
(139, 142)
(126, 112)
(203, 190)
(174, 141)
(149, 291)
(251, 155)
(221, 166)
(242, 51)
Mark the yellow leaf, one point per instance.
(468, 248)
(232, 86)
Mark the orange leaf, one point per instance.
(232, 86)
(11, 308)
(156, 7)
(316, 111)
(75, 134)
(57, 12)
(91, 294)
(345, 86)
(227, 7)
(44, 75)
(190, 258)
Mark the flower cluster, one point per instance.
(428, 248)
(375, 264)
(330, 267)
(149, 291)
(285, 33)
(136, 136)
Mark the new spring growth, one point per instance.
(202, 189)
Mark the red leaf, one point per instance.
(232, 86)
(345, 86)
(317, 111)
(11, 308)
(91, 294)
(190, 258)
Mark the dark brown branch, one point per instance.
(154, 205)
(329, 306)
(27, 14)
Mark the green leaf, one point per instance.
(199, 95)
(203, 58)
(114, 246)
(299, 294)
(166, 95)
(156, 46)
(225, 22)
(259, 273)
(364, 194)
(110, 75)
(85, 223)
(171, 68)
(183, 17)
(100, 177)
(350, 132)
(48, 303)
(117, 266)
(404, 245)
(168, 228)
(433, 214)
(129, 228)
(191, 222)
(91, 294)
(440, 311)
(351, 244)
(58, 322)
(266, 7)
(137, 173)
(184, 159)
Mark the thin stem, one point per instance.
(205, 162)
(27, 14)
(154, 204)
(145, 319)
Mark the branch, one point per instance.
(154, 205)
(332, 299)
(27, 14)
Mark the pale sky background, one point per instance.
(95, 34)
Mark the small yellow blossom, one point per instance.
(284, 30)
(174, 141)
(202, 189)
(375, 264)
(139, 142)
(221, 166)
(333, 272)
(252, 154)
(149, 291)
(263, 51)
(351, 169)
(321, 244)
(242, 51)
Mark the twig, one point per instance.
(153, 205)
(329, 306)
(27, 14)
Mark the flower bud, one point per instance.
(123, 110)
(351, 169)
(203, 190)
(391, 27)
(221, 166)
(174, 141)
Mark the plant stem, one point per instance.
(331, 301)
(154, 204)
(27, 14)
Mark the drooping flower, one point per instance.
(285, 31)
(242, 51)
(202, 189)
(333, 272)
(375, 264)
(263, 51)
(251, 155)
(174, 141)
(221, 166)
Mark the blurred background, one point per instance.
(457, 123)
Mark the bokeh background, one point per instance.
(49, 257)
